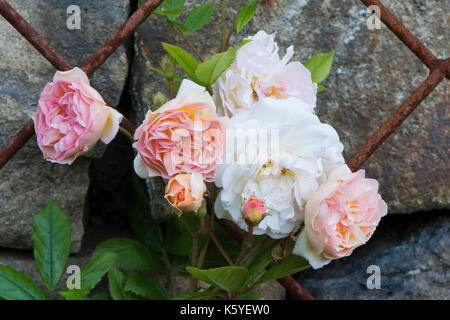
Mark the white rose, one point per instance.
(258, 72)
(282, 177)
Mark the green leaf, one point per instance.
(244, 16)
(184, 59)
(51, 241)
(131, 255)
(210, 70)
(198, 296)
(116, 283)
(145, 286)
(74, 295)
(259, 261)
(289, 265)
(100, 296)
(229, 278)
(139, 213)
(320, 88)
(248, 296)
(95, 269)
(15, 285)
(320, 66)
(198, 17)
(170, 8)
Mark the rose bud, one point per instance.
(168, 66)
(340, 215)
(159, 99)
(185, 192)
(253, 211)
(71, 117)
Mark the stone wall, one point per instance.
(27, 182)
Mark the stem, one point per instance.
(219, 246)
(186, 40)
(254, 249)
(245, 244)
(227, 41)
(222, 3)
(201, 258)
(194, 261)
(188, 225)
(127, 134)
(171, 89)
(170, 274)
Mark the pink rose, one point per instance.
(183, 135)
(71, 117)
(185, 192)
(253, 211)
(340, 215)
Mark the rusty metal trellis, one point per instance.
(439, 69)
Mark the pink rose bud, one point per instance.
(185, 192)
(253, 211)
(71, 117)
(340, 215)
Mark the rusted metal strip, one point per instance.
(125, 31)
(404, 34)
(60, 63)
(17, 142)
(400, 115)
(36, 40)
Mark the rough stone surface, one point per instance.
(373, 74)
(412, 252)
(27, 182)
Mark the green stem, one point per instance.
(222, 3)
(186, 40)
(170, 274)
(246, 243)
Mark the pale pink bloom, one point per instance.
(71, 117)
(183, 135)
(340, 215)
(185, 192)
(258, 72)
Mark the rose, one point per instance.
(340, 215)
(258, 72)
(183, 135)
(295, 154)
(71, 117)
(185, 192)
(253, 211)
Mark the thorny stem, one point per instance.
(219, 246)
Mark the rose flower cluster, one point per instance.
(278, 167)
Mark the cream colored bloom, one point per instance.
(258, 72)
(281, 172)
